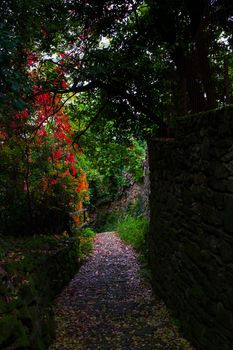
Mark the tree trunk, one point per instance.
(202, 51)
(226, 81)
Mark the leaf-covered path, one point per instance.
(108, 306)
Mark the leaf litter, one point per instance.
(109, 306)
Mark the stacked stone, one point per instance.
(191, 234)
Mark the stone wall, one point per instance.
(29, 281)
(191, 230)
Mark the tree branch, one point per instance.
(53, 113)
(77, 88)
(92, 121)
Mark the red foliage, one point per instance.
(53, 181)
(70, 157)
(56, 154)
(32, 59)
(53, 129)
(22, 115)
(82, 183)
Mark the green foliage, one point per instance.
(133, 231)
(87, 233)
(28, 205)
(85, 237)
(136, 74)
(134, 59)
(136, 207)
(27, 288)
(111, 159)
(131, 226)
(110, 162)
(12, 326)
(114, 167)
(108, 221)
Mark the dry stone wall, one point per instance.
(28, 285)
(191, 230)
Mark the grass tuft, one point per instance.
(132, 230)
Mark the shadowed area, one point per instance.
(109, 306)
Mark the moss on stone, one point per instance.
(35, 274)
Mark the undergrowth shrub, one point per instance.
(109, 221)
(85, 237)
(133, 230)
(32, 272)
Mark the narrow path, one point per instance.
(108, 306)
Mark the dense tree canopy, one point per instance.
(74, 73)
(141, 60)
